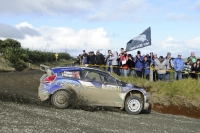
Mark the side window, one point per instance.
(111, 81)
(92, 76)
(120, 83)
(71, 74)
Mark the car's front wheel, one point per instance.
(133, 105)
(60, 99)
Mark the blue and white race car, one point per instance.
(95, 87)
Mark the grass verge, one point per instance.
(183, 92)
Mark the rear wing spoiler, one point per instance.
(46, 69)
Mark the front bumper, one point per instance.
(146, 102)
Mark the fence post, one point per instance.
(151, 73)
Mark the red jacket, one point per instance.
(124, 60)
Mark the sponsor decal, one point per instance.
(68, 82)
(111, 87)
(87, 84)
(71, 74)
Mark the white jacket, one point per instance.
(161, 66)
(113, 58)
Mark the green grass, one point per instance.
(188, 89)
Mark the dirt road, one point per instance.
(21, 111)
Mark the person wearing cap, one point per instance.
(178, 67)
(169, 65)
(138, 60)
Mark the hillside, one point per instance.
(5, 65)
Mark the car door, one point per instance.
(101, 89)
(111, 92)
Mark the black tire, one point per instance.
(60, 99)
(133, 105)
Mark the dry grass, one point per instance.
(186, 91)
(5, 65)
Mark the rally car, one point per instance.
(93, 86)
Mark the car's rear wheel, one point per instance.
(60, 99)
(133, 105)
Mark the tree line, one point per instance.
(12, 51)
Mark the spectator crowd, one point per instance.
(124, 64)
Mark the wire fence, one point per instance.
(151, 75)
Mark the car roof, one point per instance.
(74, 68)
(78, 68)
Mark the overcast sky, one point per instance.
(66, 25)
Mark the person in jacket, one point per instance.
(187, 70)
(78, 61)
(114, 62)
(178, 67)
(169, 65)
(85, 58)
(160, 66)
(108, 62)
(192, 59)
(155, 74)
(146, 67)
(121, 71)
(92, 58)
(125, 68)
(196, 69)
(130, 64)
(138, 60)
(99, 58)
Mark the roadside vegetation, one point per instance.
(21, 58)
(184, 92)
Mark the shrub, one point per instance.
(20, 65)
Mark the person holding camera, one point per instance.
(125, 68)
(138, 60)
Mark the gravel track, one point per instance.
(22, 112)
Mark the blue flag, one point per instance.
(140, 41)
